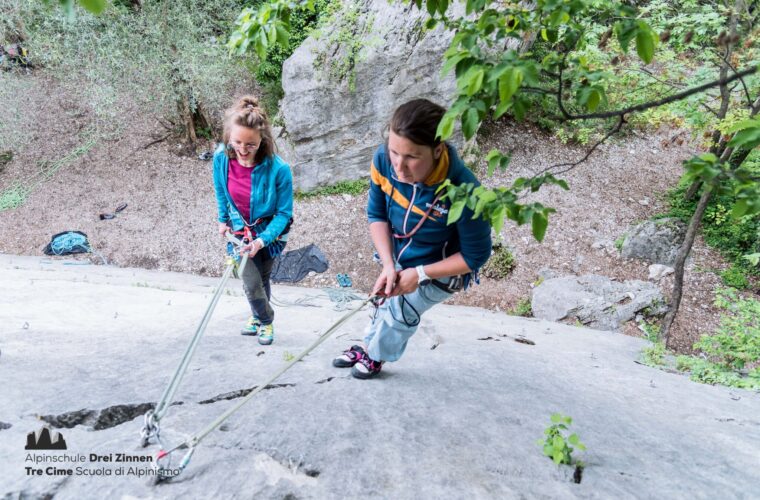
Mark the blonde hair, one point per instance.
(247, 113)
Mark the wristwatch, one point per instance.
(422, 278)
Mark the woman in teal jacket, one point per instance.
(425, 260)
(254, 190)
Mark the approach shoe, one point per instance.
(366, 368)
(252, 327)
(349, 357)
(266, 334)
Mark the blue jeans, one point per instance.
(397, 320)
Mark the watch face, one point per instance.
(425, 282)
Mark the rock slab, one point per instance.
(457, 417)
(596, 301)
(655, 241)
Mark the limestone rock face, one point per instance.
(342, 84)
(655, 241)
(595, 301)
(458, 416)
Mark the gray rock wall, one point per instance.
(342, 85)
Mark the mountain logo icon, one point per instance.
(44, 439)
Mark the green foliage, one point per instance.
(654, 355)
(341, 44)
(16, 194)
(732, 354)
(157, 56)
(268, 71)
(522, 308)
(569, 75)
(353, 188)
(734, 238)
(735, 277)
(557, 445)
(619, 241)
(5, 158)
(500, 264)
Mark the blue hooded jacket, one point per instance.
(403, 205)
(271, 196)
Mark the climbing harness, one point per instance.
(151, 428)
(162, 463)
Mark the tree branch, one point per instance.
(659, 102)
(593, 148)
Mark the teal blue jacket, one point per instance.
(403, 205)
(271, 196)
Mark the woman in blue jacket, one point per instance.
(254, 191)
(424, 260)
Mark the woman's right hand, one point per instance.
(223, 228)
(385, 282)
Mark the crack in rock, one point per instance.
(100, 419)
(328, 379)
(241, 393)
(4, 426)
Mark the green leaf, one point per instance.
(94, 6)
(497, 219)
(740, 208)
(594, 99)
(573, 439)
(432, 7)
(493, 158)
(556, 418)
(282, 36)
(455, 212)
(509, 82)
(473, 80)
(470, 122)
(520, 107)
(625, 32)
(446, 127)
(452, 61)
(742, 125)
(502, 108)
(753, 258)
(747, 138)
(443, 5)
(645, 41)
(540, 222)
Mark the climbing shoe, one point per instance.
(266, 334)
(349, 357)
(252, 327)
(366, 368)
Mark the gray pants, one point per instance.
(257, 287)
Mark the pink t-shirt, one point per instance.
(239, 186)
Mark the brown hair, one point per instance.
(247, 113)
(418, 120)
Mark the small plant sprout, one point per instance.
(556, 444)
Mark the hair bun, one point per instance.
(249, 102)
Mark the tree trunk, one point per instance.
(187, 117)
(683, 253)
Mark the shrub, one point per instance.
(501, 263)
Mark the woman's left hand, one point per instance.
(406, 282)
(252, 248)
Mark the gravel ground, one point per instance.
(169, 223)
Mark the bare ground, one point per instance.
(169, 223)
